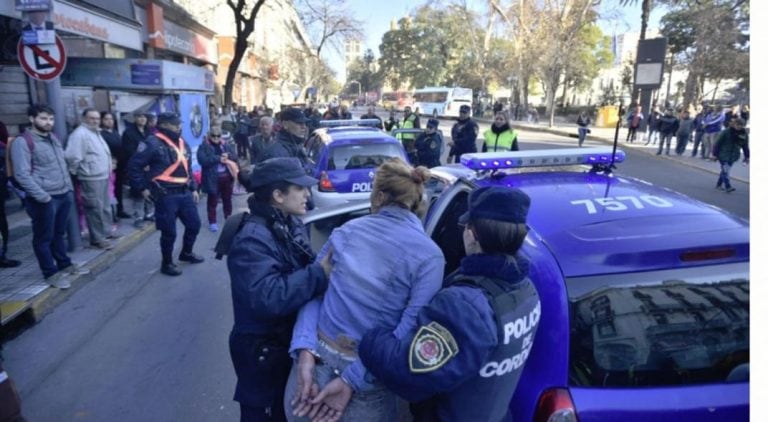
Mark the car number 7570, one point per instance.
(619, 203)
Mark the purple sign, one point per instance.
(146, 74)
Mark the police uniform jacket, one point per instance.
(287, 145)
(464, 136)
(456, 355)
(132, 137)
(158, 155)
(209, 157)
(273, 275)
(428, 149)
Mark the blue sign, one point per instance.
(194, 122)
(33, 5)
(146, 74)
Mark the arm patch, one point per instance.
(432, 347)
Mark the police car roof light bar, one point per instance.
(542, 158)
(356, 122)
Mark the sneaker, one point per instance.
(62, 283)
(102, 244)
(76, 270)
(149, 217)
(8, 263)
(191, 258)
(170, 269)
(719, 187)
(139, 224)
(213, 227)
(730, 189)
(114, 236)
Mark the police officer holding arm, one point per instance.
(463, 135)
(464, 359)
(273, 273)
(169, 183)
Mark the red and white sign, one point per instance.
(44, 61)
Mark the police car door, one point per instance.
(321, 222)
(442, 220)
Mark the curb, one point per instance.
(562, 132)
(45, 302)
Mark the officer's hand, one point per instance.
(306, 389)
(196, 196)
(145, 193)
(330, 403)
(326, 262)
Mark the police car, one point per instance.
(346, 154)
(644, 291)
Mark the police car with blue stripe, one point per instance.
(346, 154)
(644, 291)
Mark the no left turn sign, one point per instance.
(43, 61)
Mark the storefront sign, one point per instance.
(80, 21)
(176, 37)
(146, 74)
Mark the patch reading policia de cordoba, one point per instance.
(431, 348)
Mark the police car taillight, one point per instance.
(555, 405)
(707, 255)
(325, 184)
(541, 158)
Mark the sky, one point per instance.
(377, 15)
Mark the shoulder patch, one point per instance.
(141, 147)
(432, 347)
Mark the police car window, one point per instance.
(687, 326)
(448, 235)
(320, 230)
(370, 156)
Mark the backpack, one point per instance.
(8, 162)
(231, 227)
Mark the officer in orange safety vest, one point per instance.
(170, 185)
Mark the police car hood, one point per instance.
(596, 223)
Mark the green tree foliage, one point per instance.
(362, 70)
(711, 39)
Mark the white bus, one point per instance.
(441, 101)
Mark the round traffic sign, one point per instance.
(43, 61)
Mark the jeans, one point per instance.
(374, 405)
(682, 142)
(631, 134)
(725, 170)
(49, 223)
(582, 134)
(696, 142)
(225, 183)
(665, 138)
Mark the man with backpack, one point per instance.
(39, 168)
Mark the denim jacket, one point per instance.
(374, 282)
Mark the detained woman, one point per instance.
(374, 282)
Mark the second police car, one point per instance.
(346, 154)
(644, 291)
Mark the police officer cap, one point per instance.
(168, 117)
(497, 203)
(293, 114)
(279, 169)
(464, 109)
(433, 123)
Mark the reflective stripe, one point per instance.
(165, 176)
(408, 123)
(500, 142)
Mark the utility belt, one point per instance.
(158, 190)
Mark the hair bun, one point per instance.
(420, 174)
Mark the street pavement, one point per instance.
(23, 289)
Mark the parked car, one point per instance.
(644, 291)
(346, 157)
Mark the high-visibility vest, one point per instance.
(408, 123)
(501, 142)
(181, 159)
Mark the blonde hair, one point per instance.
(401, 184)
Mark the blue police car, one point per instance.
(346, 157)
(644, 291)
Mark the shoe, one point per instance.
(731, 189)
(114, 236)
(76, 270)
(124, 215)
(138, 224)
(213, 227)
(8, 263)
(62, 283)
(658, 152)
(150, 217)
(103, 244)
(191, 258)
(170, 269)
(719, 187)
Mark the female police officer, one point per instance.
(272, 273)
(471, 342)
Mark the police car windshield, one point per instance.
(674, 327)
(369, 156)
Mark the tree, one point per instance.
(329, 23)
(245, 21)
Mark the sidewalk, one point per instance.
(739, 172)
(23, 288)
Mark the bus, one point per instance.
(442, 101)
(396, 99)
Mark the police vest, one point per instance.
(501, 142)
(408, 123)
(181, 160)
(517, 313)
